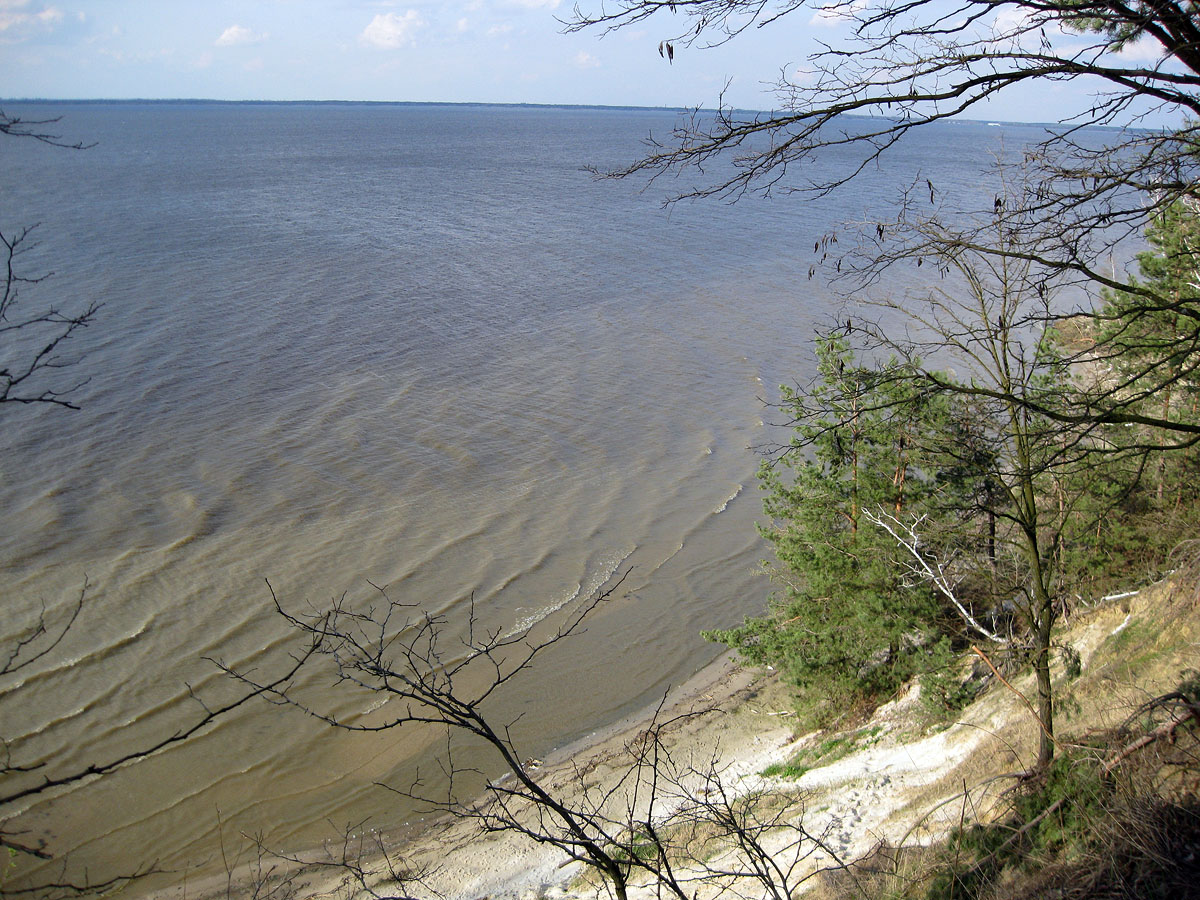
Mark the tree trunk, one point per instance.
(1162, 457)
(1041, 609)
(1045, 704)
(854, 462)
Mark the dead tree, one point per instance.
(894, 67)
(985, 324)
(670, 822)
(23, 780)
(32, 340)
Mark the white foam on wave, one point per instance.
(378, 704)
(673, 554)
(64, 664)
(528, 621)
(720, 509)
(586, 588)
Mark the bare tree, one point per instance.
(980, 334)
(1137, 364)
(670, 822)
(24, 779)
(909, 64)
(903, 65)
(33, 340)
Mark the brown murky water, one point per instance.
(408, 346)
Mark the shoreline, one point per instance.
(466, 864)
(705, 681)
(902, 783)
(470, 864)
(506, 866)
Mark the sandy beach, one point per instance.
(725, 712)
(899, 781)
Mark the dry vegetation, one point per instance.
(900, 805)
(1115, 816)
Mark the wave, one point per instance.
(582, 590)
(724, 506)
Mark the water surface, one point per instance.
(411, 346)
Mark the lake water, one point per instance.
(413, 346)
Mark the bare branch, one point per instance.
(35, 129)
(31, 342)
(17, 660)
(10, 795)
(662, 821)
(928, 566)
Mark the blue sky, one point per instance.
(500, 51)
(458, 50)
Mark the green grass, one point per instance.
(828, 751)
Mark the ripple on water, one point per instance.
(316, 368)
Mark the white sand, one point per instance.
(878, 793)
(897, 786)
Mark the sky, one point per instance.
(489, 51)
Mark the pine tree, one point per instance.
(844, 622)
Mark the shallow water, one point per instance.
(410, 346)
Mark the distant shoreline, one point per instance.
(459, 104)
(203, 101)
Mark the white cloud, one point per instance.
(833, 14)
(1145, 50)
(585, 60)
(236, 34)
(1010, 20)
(498, 30)
(535, 4)
(19, 14)
(390, 31)
(462, 24)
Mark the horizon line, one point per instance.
(213, 101)
(340, 102)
